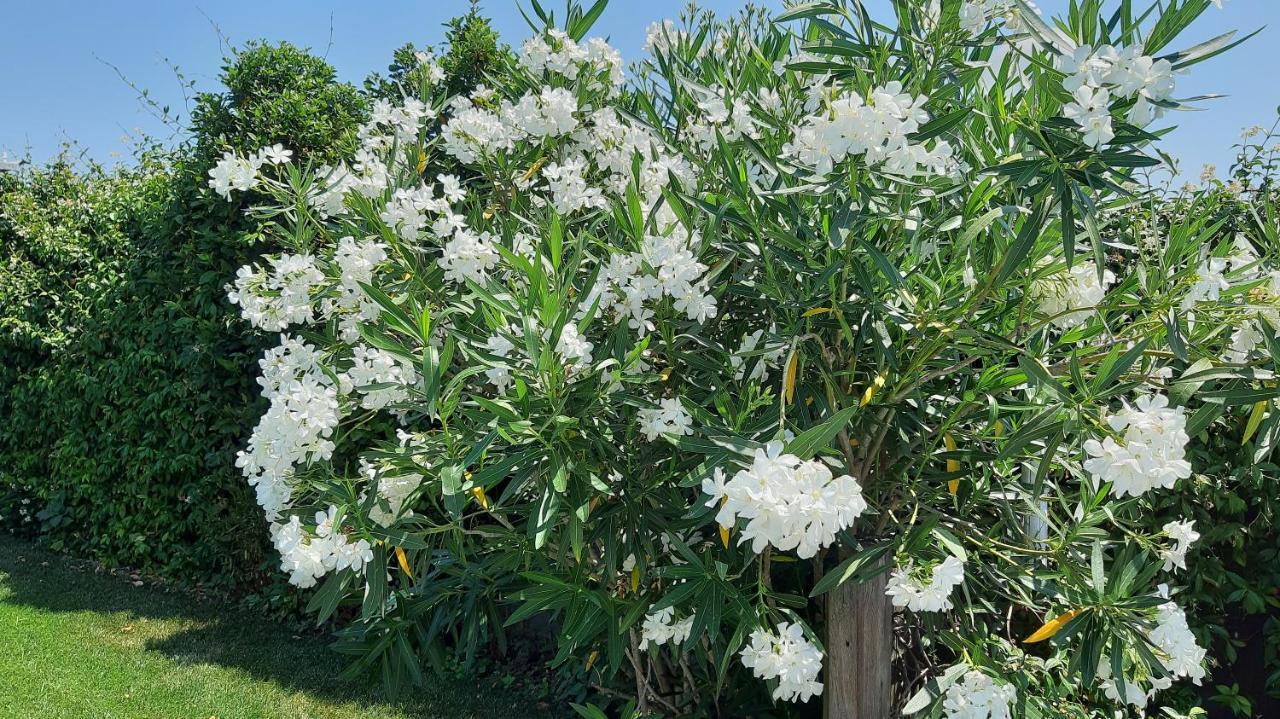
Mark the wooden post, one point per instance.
(859, 663)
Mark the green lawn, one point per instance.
(75, 643)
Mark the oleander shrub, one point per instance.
(804, 302)
(1232, 587)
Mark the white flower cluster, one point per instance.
(764, 357)
(979, 696)
(664, 267)
(669, 417)
(934, 596)
(573, 348)
(356, 262)
(787, 503)
(788, 658)
(720, 118)
(1175, 644)
(876, 128)
(568, 186)
(1152, 453)
(380, 376)
(1183, 534)
(303, 412)
(1096, 77)
(557, 53)
(233, 172)
(1211, 280)
(661, 627)
(975, 15)
(1134, 694)
(550, 113)
(308, 557)
(430, 66)
(1065, 298)
(468, 255)
(395, 489)
(284, 296)
(1176, 648)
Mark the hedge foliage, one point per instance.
(126, 381)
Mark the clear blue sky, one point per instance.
(57, 83)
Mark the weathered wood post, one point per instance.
(859, 662)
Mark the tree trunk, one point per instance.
(859, 662)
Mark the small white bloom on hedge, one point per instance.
(932, 596)
(275, 155)
(788, 658)
(234, 173)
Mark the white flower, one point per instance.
(568, 186)
(234, 173)
(1065, 298)
(1082, 67)
(395, 489)
(275, 155)
(550, 113)
(469, 256)
(669, 417)
(1210, 281)
(788, 503)
(1090, 110)
(876, 128)
(573, 348)
(748, 352)
(1175, 644)
(660, 627)
(1153, 449)
(787, 657)
(978, 696)
(281, 298)
(1243, 341)
(935, 596)
(372, 370)
(1183, 534)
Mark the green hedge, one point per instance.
(127, 382)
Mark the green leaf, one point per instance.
(817, 438)
(858, 568)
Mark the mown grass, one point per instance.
(77, 643)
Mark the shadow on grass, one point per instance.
(211, 632)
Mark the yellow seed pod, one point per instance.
(478, 493)
(789, 380)
(952, 465)
(872, 389)
(1052, 627)
(403, 561)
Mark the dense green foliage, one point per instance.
(128, 385)
(473, 52)
(1233, 582)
